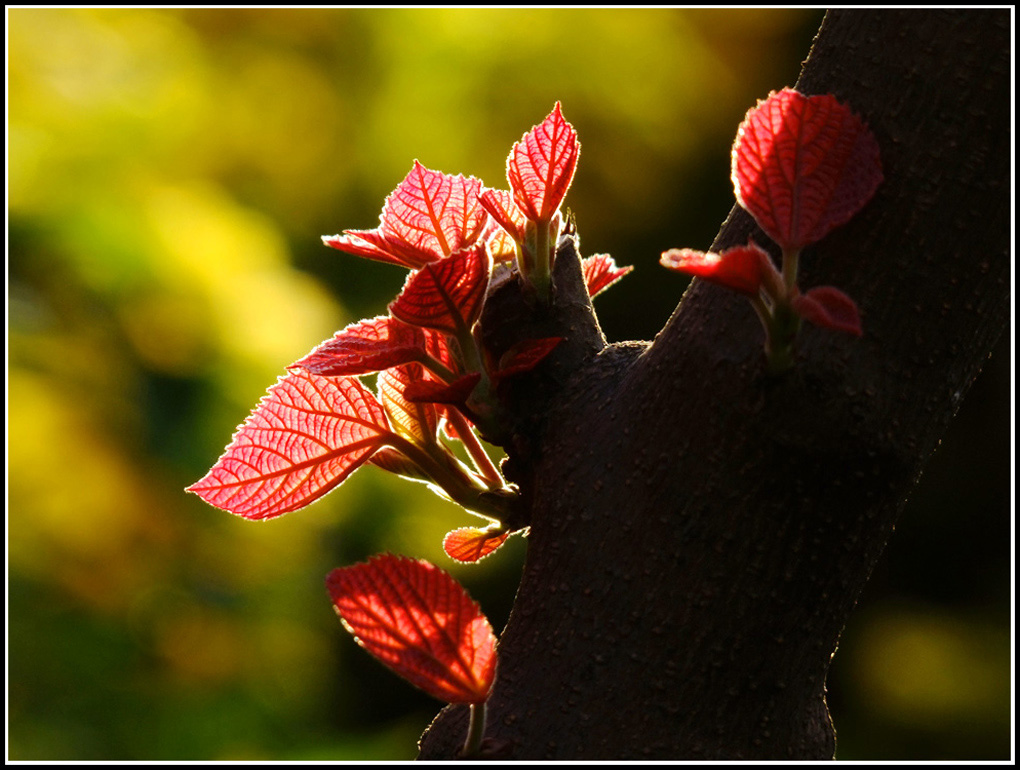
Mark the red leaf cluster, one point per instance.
(801, 166)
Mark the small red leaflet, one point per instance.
(740, 268)
(446, 295)
(600, 272)
(420, 623)
(428, 217)
(803, 165)
(471, 544)
(541, 166)
(829, 307)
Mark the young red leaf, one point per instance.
(740, 268)
(470, 544)
(829, 307)
(500, 205)
(454, 393)
(446, 295)
(600, 272)
(307, 434)
(541, 166)
(803, 165)
(524, 356)
(420, 623)
(416, 420)
(429, 216)
(367, 346)
(501, 246)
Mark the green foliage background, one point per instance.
(169, 175)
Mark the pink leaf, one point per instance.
(416, 420)
(446, 295)
(420, 623)
(470, 544)
(829, 307)
(740, 268)
(600, 272)
(364, 347)
(307, 434)
(541, 166)
(803, 165)
(429, 216)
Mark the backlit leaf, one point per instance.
(419, 622)
(600, 272)
(740, 268)
(471, 544)
(454, 393)
(541, 166)
(307, 434)
(829, 307)
(364, 347)
(428, 217)
(416, 420)
(803, 165)
(500, 204)
(446, 295)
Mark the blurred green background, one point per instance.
(169, 175)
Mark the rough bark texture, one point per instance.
(701, 532)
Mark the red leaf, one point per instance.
(740, 268)
(416, 420)
(471, 544)
(454, 393)
(364, 347)
(307, 434)
(420, 623)
(803, 165)
(429, 216)
(524, 356)
(829, 307)
(541, 166)
(600, 272)
(500, 204)
(446, 295)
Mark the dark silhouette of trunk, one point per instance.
(700, 532)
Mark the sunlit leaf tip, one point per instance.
(540, 167)
(740, 268)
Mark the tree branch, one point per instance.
(700, 532)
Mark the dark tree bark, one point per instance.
(700, 532)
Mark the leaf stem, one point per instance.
(476, 730)
(452, 477)
(541, 277)
(475, 449)
(438, 368)
(791, 258)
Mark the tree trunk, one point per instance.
(700, 532)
